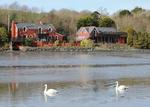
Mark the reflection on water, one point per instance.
(50, 58)
(81, 79)
(77, 93)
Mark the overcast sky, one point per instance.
(79, 5)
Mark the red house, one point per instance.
(38, 32)
(101, 34)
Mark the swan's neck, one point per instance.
(45, 89)
(117, 86)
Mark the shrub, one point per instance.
(3, 36)
(71, 39)
(57, 43)
(87, 43)
(131, 34)
(28, 42)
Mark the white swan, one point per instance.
(120, 88)
(50, 92)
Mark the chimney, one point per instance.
(41, 23)
(13, 30)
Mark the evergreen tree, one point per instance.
(106, 22)
(3, 36)
(131, 33)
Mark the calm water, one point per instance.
(80, 78)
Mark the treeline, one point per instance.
(138, 19)
(96, 19)
(139, 40)
(64, 20)
(68, 21)
(137, 24)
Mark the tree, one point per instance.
(95, 19)
(71, 39)
(90, 20)
(131, 33)
(139, 21)
(124, 13)
(85, 21)
(137, 10)
(106, 22)
(102, 11)
(148, 41)
(142, 40)
(13, 16)
(138, 41)
(3, 36)
(61, 29)
(28, 41)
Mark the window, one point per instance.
(25, 29)
(50, 29)
(95, 33)
(40, 30)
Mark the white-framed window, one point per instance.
(50, 29)
(24, 29)
(40, 30)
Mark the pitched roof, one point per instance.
(34, 26)
(99, 29)
(106, 29)
(90, 28)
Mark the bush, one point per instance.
(106, 22)
(131, 35)
(57, 43)
(3, 36)
(71, 39)
(28, 42)
(142, 41)
(124, 13)
(87, 43)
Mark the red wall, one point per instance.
(122, 40)
(14, 32)
(29, 33)
(32, 33)
(82, 36)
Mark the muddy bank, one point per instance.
(4, 49)
(56, 49)
(82, 49)
(78, 49)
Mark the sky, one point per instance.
(110, 5)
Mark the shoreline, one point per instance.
(74, 49)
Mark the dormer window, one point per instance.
(50, 29)
(40, 30)
(25, 29)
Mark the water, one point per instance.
(80, 78)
